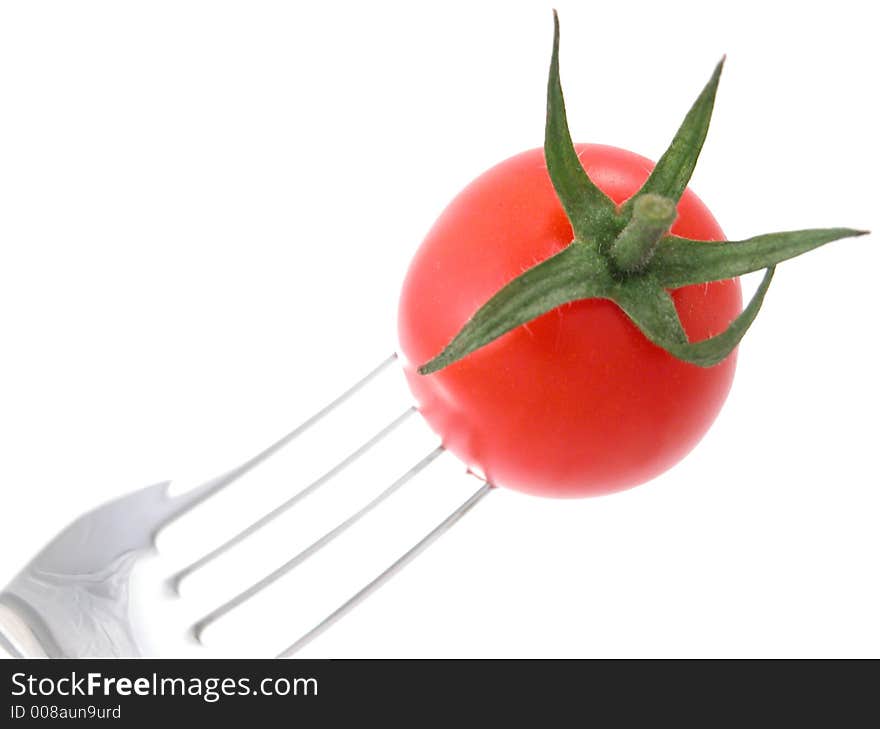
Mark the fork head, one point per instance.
(72, 599)
(102, 588)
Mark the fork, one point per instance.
(76, 597)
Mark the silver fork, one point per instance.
(75, 598)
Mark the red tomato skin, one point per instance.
(577, 402)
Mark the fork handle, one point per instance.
(19, 637)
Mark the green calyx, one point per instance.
(626, 253)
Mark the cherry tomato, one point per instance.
(577, 402)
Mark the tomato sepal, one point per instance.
(683, 262)
(576, 272)
(651, 309)
(592, 214)
(674, 169)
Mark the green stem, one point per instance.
(652, 215)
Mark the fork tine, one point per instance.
(192, 498)
(285, 506)
(314, 547)
(389, 572)
(326, 410)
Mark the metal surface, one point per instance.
(74, 599)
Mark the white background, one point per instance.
(206, 210)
